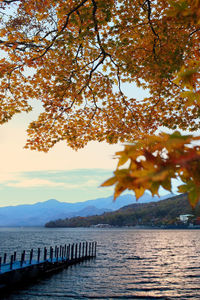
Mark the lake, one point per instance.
(130, 263)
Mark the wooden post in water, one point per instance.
(92, 249)
(89, 249)
(15, 254)
(68, 252)
(62, 256)
(72, 251)
(51, 254)
(95, 249)
(0, 262)
(65, 251)
(22, 259)
(11, 262)
(31, 257)
(86, 249)
(38, 255)
(79, 255)
(57, 253)
(4, 258)
(76, 246)
(83, 250)
(45, 253)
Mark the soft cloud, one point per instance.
(35, 182)
(17, 181)
(91, 183)
(7, 176)
(63, 185)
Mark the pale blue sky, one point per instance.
(68, 186)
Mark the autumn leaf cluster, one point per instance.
(155, 161)
(74, 57)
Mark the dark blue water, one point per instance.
(132, 264)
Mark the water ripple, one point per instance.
(131, 264)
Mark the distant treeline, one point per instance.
(164, 212)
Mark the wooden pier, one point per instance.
(41, 263)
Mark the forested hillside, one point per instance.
(164, 212)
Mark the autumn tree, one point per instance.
(74, 57)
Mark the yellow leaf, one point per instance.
(110, 181)
(139, 192)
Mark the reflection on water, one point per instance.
(134, 264)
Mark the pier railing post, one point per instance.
(15, 254)
(89, 249)
(57, 253)
(83, 250)
(24, 255)
(92, 254)
(65, 251)
(51, 254)
(38, 255)
(22, 258)
(4, 258)
(62, 252)
(76, 246)
(86, 249)
(79, 255)
(68, 252)
(45, 253)
(72, 251)
(11, 262)
(31, 257)
(95, 249)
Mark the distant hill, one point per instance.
(42, 212)
(164, 212)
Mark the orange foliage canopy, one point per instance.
(74, 57)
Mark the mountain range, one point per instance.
(163, 214)
(42, 212)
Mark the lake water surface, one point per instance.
(130, 264)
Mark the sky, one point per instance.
(64, 174)
(27, 177)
